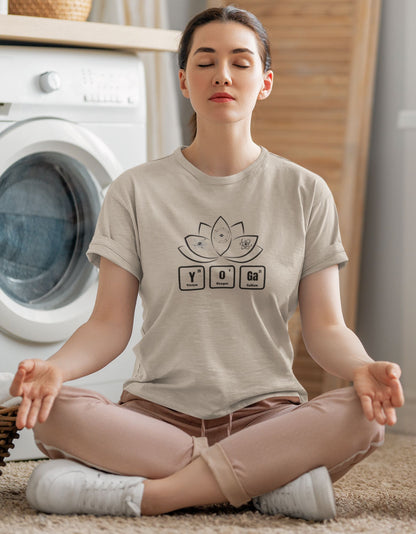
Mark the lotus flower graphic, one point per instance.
(221, 240)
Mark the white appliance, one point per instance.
(71, 120)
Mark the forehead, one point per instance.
(224, 36)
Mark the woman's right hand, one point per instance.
(39, 383)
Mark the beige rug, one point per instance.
(377, 496)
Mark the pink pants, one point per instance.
(267, 444)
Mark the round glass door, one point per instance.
(53, 177)
(49, 204)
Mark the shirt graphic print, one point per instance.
(221, 241)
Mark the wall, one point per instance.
(180, 12)
(386, 315)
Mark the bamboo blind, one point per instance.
(319, 115)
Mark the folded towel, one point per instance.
(6, 399)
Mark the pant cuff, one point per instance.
(199, 445)
(225, 475)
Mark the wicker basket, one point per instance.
(54, 9)
(8, 431)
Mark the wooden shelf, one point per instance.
(86, 34)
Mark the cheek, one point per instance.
(253, 90)
(198, 91)
(194, 85)
(253, 84)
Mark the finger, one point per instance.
(390, 413)
(397, 396)
(379, 372)
(393, 370)
(46, 408)
(16, 388)
(379, 413)
(384, 372)
(33, 413)
(27, 365)
(24, 408)
(367, 406)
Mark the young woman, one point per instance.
(221, 240)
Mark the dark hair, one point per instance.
(223, 14)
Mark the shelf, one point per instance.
(86, 34)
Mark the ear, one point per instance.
(266, 88)
(182, 83)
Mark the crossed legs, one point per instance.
(265, 452)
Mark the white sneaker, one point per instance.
(310, 496)
(67, 487)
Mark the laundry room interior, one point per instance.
(80, 105)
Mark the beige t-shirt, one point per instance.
(219, 260)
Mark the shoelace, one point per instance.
(108, 494)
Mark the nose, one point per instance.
(222, 76)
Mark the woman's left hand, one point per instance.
(378, 386)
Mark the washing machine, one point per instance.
(71, 121)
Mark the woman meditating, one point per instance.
(221, 240)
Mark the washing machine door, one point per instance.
(53, 177)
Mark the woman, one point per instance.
(221, 240)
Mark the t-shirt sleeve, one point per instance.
(323, 245)
(116, 235)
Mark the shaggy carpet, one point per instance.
(377, 496)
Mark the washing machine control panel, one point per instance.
(76, 84)
(103, 86)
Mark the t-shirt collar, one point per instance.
(218, 180)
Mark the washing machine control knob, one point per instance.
(49, 81)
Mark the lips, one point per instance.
(222, 97)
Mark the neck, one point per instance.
(222, 151)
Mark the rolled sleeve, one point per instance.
(323, 245)
(116, 236)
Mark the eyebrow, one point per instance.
(212, 50)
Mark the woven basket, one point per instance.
(8, 431)
(53, 9)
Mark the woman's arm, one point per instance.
(327, 338)
(95, 344)
(106, 333)
(339, 351)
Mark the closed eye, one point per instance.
(235, 65)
